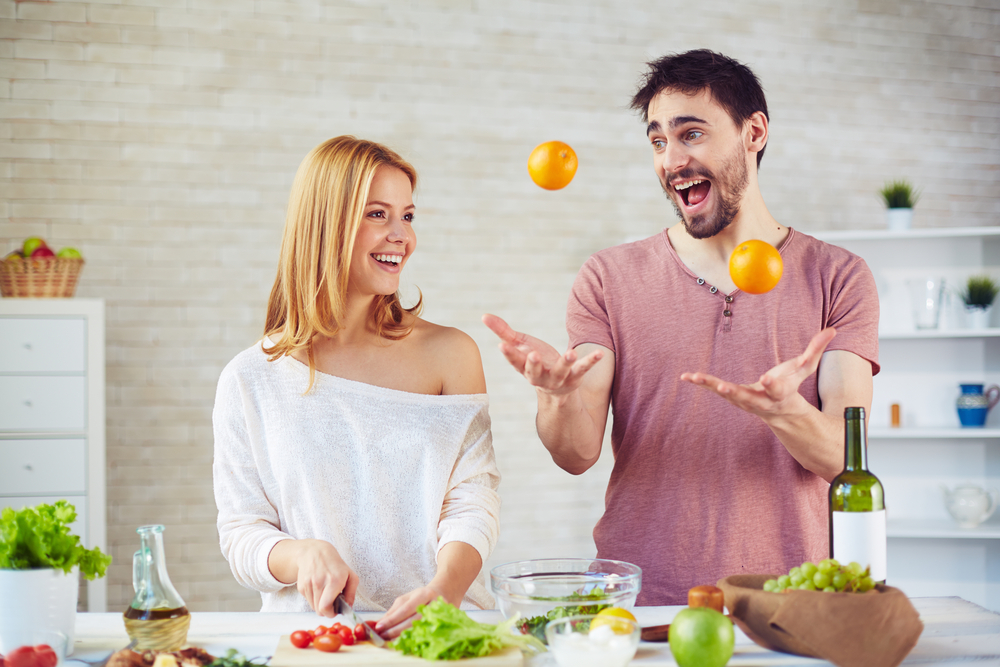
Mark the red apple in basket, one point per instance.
(43, 251)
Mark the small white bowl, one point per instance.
(574, 643)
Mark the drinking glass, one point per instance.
(925, 297)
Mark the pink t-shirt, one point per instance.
(700, 489)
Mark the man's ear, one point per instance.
(756, 132)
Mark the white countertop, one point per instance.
(956, 632)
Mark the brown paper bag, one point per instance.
(874, 629)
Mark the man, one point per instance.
(703, 488)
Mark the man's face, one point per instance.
(700, 158)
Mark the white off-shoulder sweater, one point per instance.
(388, 477)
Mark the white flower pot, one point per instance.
(898, 219)
(42, 599)
(978, 318)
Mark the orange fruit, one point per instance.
(755, 266)
(552, 165)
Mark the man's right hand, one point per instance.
(539, 362)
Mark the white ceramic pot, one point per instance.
(978, 318)
(42, 599)
(898, 219)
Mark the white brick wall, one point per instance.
(161, 136)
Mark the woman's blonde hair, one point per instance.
(325, 209)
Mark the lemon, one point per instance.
(607, 617)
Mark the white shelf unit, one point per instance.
(52, 414)
(929, 554)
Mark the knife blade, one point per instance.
(341, 607)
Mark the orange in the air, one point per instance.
(755, 266)
(552, 165)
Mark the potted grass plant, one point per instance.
(978, 296)
(40, 566)
(899, 197)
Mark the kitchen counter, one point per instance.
(956, 632)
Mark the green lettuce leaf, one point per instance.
(445, 632)
(39, 537)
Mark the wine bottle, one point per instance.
(857, 504)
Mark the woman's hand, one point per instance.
(458, 566)
(319, 573)
(403, 611)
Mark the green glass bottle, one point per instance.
(857, 504)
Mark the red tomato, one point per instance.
(336, 627)
(321, 630)
(360, 633)
(45, 656)
(370, 624)
(346, 635)
(301, 639)
(22, 656)
(328, 643)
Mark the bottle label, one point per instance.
(860, 537)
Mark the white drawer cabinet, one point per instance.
(43, 403)
(52, 413)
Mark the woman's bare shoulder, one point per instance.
(454, 354)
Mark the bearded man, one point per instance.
(703, 488)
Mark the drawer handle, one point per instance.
(28, 403)
(27, 346)
(28, 468)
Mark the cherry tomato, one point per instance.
(360, 632)
(328, 643)
(45, 656)
(321, 630)
(336, 627)
(301, 639)
(346, 635)
(371, 624)
(22, 656)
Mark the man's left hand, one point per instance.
(772, 392)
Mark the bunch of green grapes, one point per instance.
(827, 575)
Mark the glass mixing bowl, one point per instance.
(533, 588)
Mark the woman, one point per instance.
(352, 445)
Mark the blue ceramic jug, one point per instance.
(974, 403)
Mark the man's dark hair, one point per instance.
(732, 84)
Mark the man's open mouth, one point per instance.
(391, 260)
(693, 192)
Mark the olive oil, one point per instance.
(157, 629)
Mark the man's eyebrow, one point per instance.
(674, 122)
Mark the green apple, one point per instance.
(69, 253)
(701, 637)
(31, 244)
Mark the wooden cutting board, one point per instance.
(369, 655)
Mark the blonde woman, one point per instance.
(352, 444)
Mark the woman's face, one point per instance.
(385, 237)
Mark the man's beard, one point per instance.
(734, 180)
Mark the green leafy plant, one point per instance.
(444, 632)
(980, 291)
(899, 194)
(234, 658)
(39, 537)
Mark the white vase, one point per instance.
(978, 317)
(33, 600)
(898, 219)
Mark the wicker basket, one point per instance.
(39, 277)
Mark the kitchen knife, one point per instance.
(341, 607)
